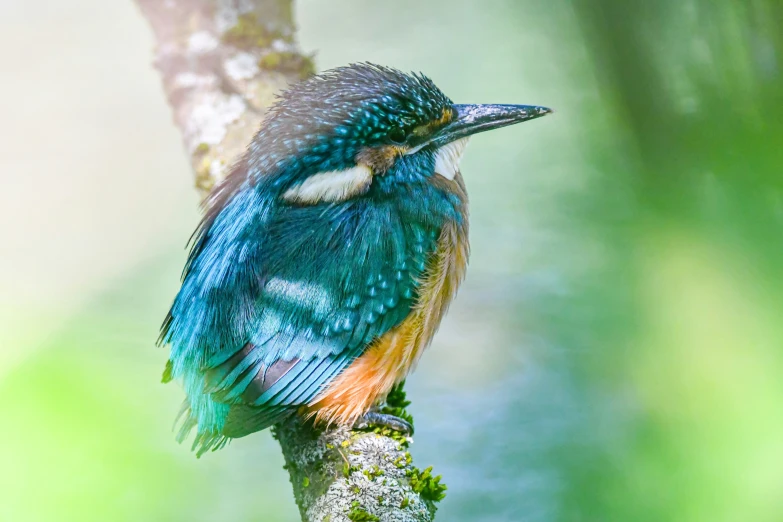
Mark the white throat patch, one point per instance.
(447, 158)
(331, 187)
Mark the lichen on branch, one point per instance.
(340, 474)
(222, 62)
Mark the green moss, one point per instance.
(307, 66)
(204, 179)
(288, 62)
(357, 514)
(385, 431)
(271, 60)
(397, 398)
(348, 469)
(401, 438)
(396, 402)
(248, 33)
(373, 472)
(402, 461)
(423, 483)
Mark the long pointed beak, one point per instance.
(472, 119)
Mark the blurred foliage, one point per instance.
(690, 291)
(615, 353)
(86, 426)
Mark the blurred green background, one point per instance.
(614, 355)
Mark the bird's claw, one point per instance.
(384, 420)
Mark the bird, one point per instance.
(328, 255)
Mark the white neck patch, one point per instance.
(331, 187)
(447, 158)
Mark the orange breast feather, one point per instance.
(389, 359)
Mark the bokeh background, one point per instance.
(615, 353)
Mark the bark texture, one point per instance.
(222, 62)
(340, 475)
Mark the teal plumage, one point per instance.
(277, 298)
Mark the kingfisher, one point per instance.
(327, 257)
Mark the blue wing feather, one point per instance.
(306, 287)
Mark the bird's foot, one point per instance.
(384, 420)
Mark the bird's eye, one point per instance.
(397, 135)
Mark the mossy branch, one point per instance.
(358, 475)
(221, 62)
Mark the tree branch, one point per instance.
(221, 62)
(340, 475)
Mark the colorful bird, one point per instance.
(328, 256)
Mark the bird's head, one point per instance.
(364, 129)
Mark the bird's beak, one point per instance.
(472, 119)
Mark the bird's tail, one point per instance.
(241, 420)
(205, 440)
